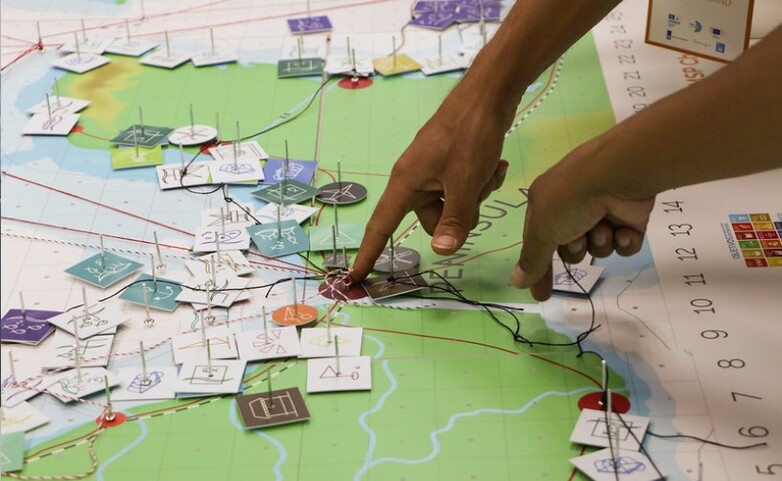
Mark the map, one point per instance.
(688, 327)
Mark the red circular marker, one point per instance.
(619, 403)
(359, 83)
(338, 290)
(295, 315)
(119, 418)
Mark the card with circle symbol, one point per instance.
(622, 464)
(63, 351)
(383, 287)
(142, 135)
(207, 58)
(172, 176)
(96, 319)
(22, 417)
(234, 238)
(325, 374)
(169, 60)
(277, 240)
(263, 410)
(159, 383)
(300, 67)
(28, 327)
(348, 236)
(131, 158)
(592, 429)
(228, 171)
(161, 293)
(299, 170)
(272, 343)
(218, 377)
(11, 451)
(342, 193)
(56, 124)
(316, 24)
(191, 135)
(103, 270)
(297, 212)
(192, 347)
(343, 65)
(286, 192)
(81, 63)
(70, 385)
(319, 342)
(130, 48)
(59, 105)
(405, 259)
(395, 65)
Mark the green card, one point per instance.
(12, 451)
(103, 270)
(293, 192)
(348, 236)
(160, 295)
(126, 158)
(300, 67)
(277, 241)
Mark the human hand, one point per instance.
(574, 209)
(452, 165)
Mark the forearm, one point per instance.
(531, 37)
(727, 125)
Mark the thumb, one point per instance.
(455, 222)
(534, 267)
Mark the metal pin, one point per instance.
(168, 46)
(349, 49)
(135, 140)
(78, 48)
(213, 268)
(355, 70)
(145, 379)
(269, 387)
(49, 107)
(391, 257)
(21, 305)
(236, 148)
(160, 265)
(192, 122)
(77, 345)
(279, 226)
(11, 367)
(154, 272)
(38, 30)
(336, 354)
(482, 21)
(334, 243)
(336, 218)
(141, 121)
(393, 49)
(127, 32)
(308, 9)
(609, 423)
(300, 46)
(57, 91)
(149, 321)
(109, 416)
(604, 381)
(212, 39)
(203, 326)
(440, 49)
(345, 256)
(339, 174)
(83, 31)
(143, 10)
(222, 225)
(102, 253)
(217, 127)
(436, 6)
(209, 317)
(265, 324)
(295, 300)
(209, 357)
(86, 308)
(328, 325)
(285, 164)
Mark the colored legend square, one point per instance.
(749, 244)
(760, 217)
(738, 218)
(771, 243)
(742, 226)
(756, 262)
(768, 234)
(773, 252)
(746, 235)
(775, 261)
(778, 225)
(751, 253)
(763, 225)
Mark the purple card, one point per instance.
(434, 20)
(31, 328)
(317, 24)
(449, 5)
(299, 170)
(473, 13)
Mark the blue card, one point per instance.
(298, 170)
(160, 295)
(277, 241)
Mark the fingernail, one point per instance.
(444, 242)
(600, 239)
(518, 278)
(575, 247)
(623, 241)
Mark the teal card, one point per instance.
(103, 270)
(161, 294)
(348, 236)
(300, 67)
(277, 241)
(12, 451)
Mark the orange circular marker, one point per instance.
(351, 84)
(594, 400)
(295, 315)
(119, 418)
